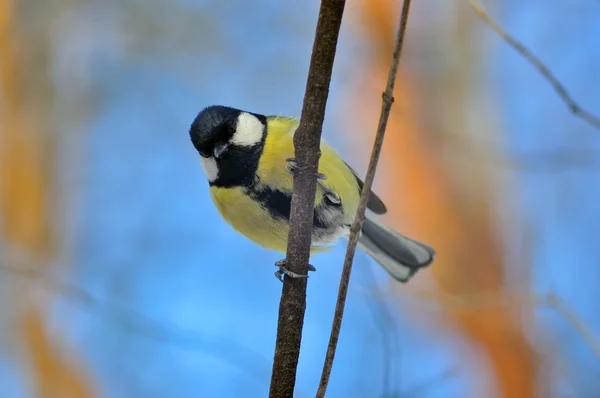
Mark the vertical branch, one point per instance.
(386, 107)
(443, 207)
(307, 142)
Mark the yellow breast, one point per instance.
(279, 145)
(250, 219)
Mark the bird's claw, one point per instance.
(329, 194)
(284, 271)
(291, 166)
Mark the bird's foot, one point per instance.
(284, 271)
(329, 194)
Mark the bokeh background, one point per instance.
(119, 279)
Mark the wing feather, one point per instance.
(375, 204)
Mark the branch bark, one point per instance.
(387, 101)
(307, 140)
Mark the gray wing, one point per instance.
(375, 204)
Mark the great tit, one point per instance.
(248, 161)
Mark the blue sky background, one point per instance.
(184, 306)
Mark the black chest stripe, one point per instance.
(279, 203)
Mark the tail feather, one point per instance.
(399, 255)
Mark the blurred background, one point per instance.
(118, 278)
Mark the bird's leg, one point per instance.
(291, 166)
(284, 271)
(331, 196)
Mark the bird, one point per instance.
(248, 160)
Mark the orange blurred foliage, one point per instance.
(56, 377)
(454, 218)
(24, 208)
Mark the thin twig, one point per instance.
(158, 330)
(307, 143)
(423, 388)
(586, 333)
(560, 89)
(487, 299)
(387, 100)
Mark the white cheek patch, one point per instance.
(211, 169)
(249, 130)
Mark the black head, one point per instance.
(230, 142)
(215, 124)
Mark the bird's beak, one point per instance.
(220, 149)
